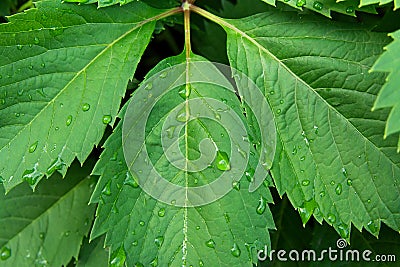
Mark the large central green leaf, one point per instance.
(332, 159)
(146, 231)
(63, 71)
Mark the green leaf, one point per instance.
(331, 159)
(389, 96)
(325, 7)
(64, 70)
(46, 227)
(380, 2)
(228, 231)
(106, 3)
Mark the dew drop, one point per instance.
(5, 253)
(236, 185)
(32, 176)
(338, 189)
(142, 223)
(281, 101)
(69, 120)
(161, 212)
(305, 182)
(67, 233)
(344, 171)
(159, 241)
(170, 131)
(262, 205)
(331, 218)
(197, 227)
(42, 235)
(227, 218)
(135, 243)
(373, 226)
(350, 9)
(217, 116)
(163, 75)
(210, 243)
(318, 5)
(349, 182)
(36, 40)
(294, 151)
(85, 107)
(322, 194)
(201, 263)
(235, 250)
(302, 158)
(300, 3)
(272, 92)
(118, 257)
(332, 182)
(149, 86)
(278, 111)
(107, 119)
(33, 147)
(56, 165)
(43, 65)
(130, 181)
(222, 161)
(19, 47)
(181, 115)
(250, 175)
(20, 92)
(154, 262)
(343, 230)
(107, 189)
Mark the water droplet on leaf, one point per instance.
(85, 107)
(210, 243)
(331, 218)
(262, 205)
(107, 189)
(36, 40)
(32, 176)
(305, 182)
(300, 3)
(129, 180)
(250, 175)
(69, 120)
(5, 253)
(235, 251)
(19, 47)
(56, 165)
(349, 182)
(118, 257)
(159, 241)
(33, 147)
(350, 9)
(338, 189)
(222, 161)
(161, 212)
(318, 5)
(107, 119)
(181, 115)
(154, 262)
(236, 185)
(142, 223)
